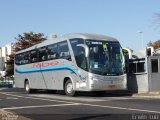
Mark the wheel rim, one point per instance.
(27, 87)
(69, 87)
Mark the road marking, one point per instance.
(11, 98)
(120, 98)
(122, 108)
(70, 98)
(38, 98)
(40, 106)
(111, 107)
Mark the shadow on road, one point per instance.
(80, 117)
(19, 90)
(79, 94)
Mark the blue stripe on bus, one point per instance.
(50, 68)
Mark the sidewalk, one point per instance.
(154, 95)
(4, 115)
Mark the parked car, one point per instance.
(5, 83)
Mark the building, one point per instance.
(144, 71)
(4, 55)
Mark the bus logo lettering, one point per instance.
(45, 64)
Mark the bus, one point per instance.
(72, 62)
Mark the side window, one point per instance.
(52, 52)
(154, 65)
(43, 53)
(33, 56)
(137, 66)
(79, 53)
(18, 59)
(64, 51)
(26, 58)
(132, 67)
(141, 67)
(74, 43)
(21, 57)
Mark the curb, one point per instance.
(2, 89)
(149, 95)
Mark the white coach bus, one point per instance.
(73, 62)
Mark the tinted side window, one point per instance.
(42, 54)
(33, 56)
(141, 67)
(74, 43)
(18, 59)
(52, 52)
(26, 58)
(64, 51)
(79, 53)
(132, 67)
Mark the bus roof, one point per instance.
(70, 36)
(89, 36)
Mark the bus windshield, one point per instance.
(105, 57)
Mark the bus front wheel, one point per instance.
(68, 88)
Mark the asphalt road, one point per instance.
(18, 105)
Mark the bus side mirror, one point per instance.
(86, 49)
(127, 53)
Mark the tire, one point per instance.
(27, 87)
(68, 88)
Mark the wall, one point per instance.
(138, 83)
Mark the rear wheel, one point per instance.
(68, 88)
(27, 87)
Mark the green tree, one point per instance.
(24, 41)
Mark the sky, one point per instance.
(121, 19)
